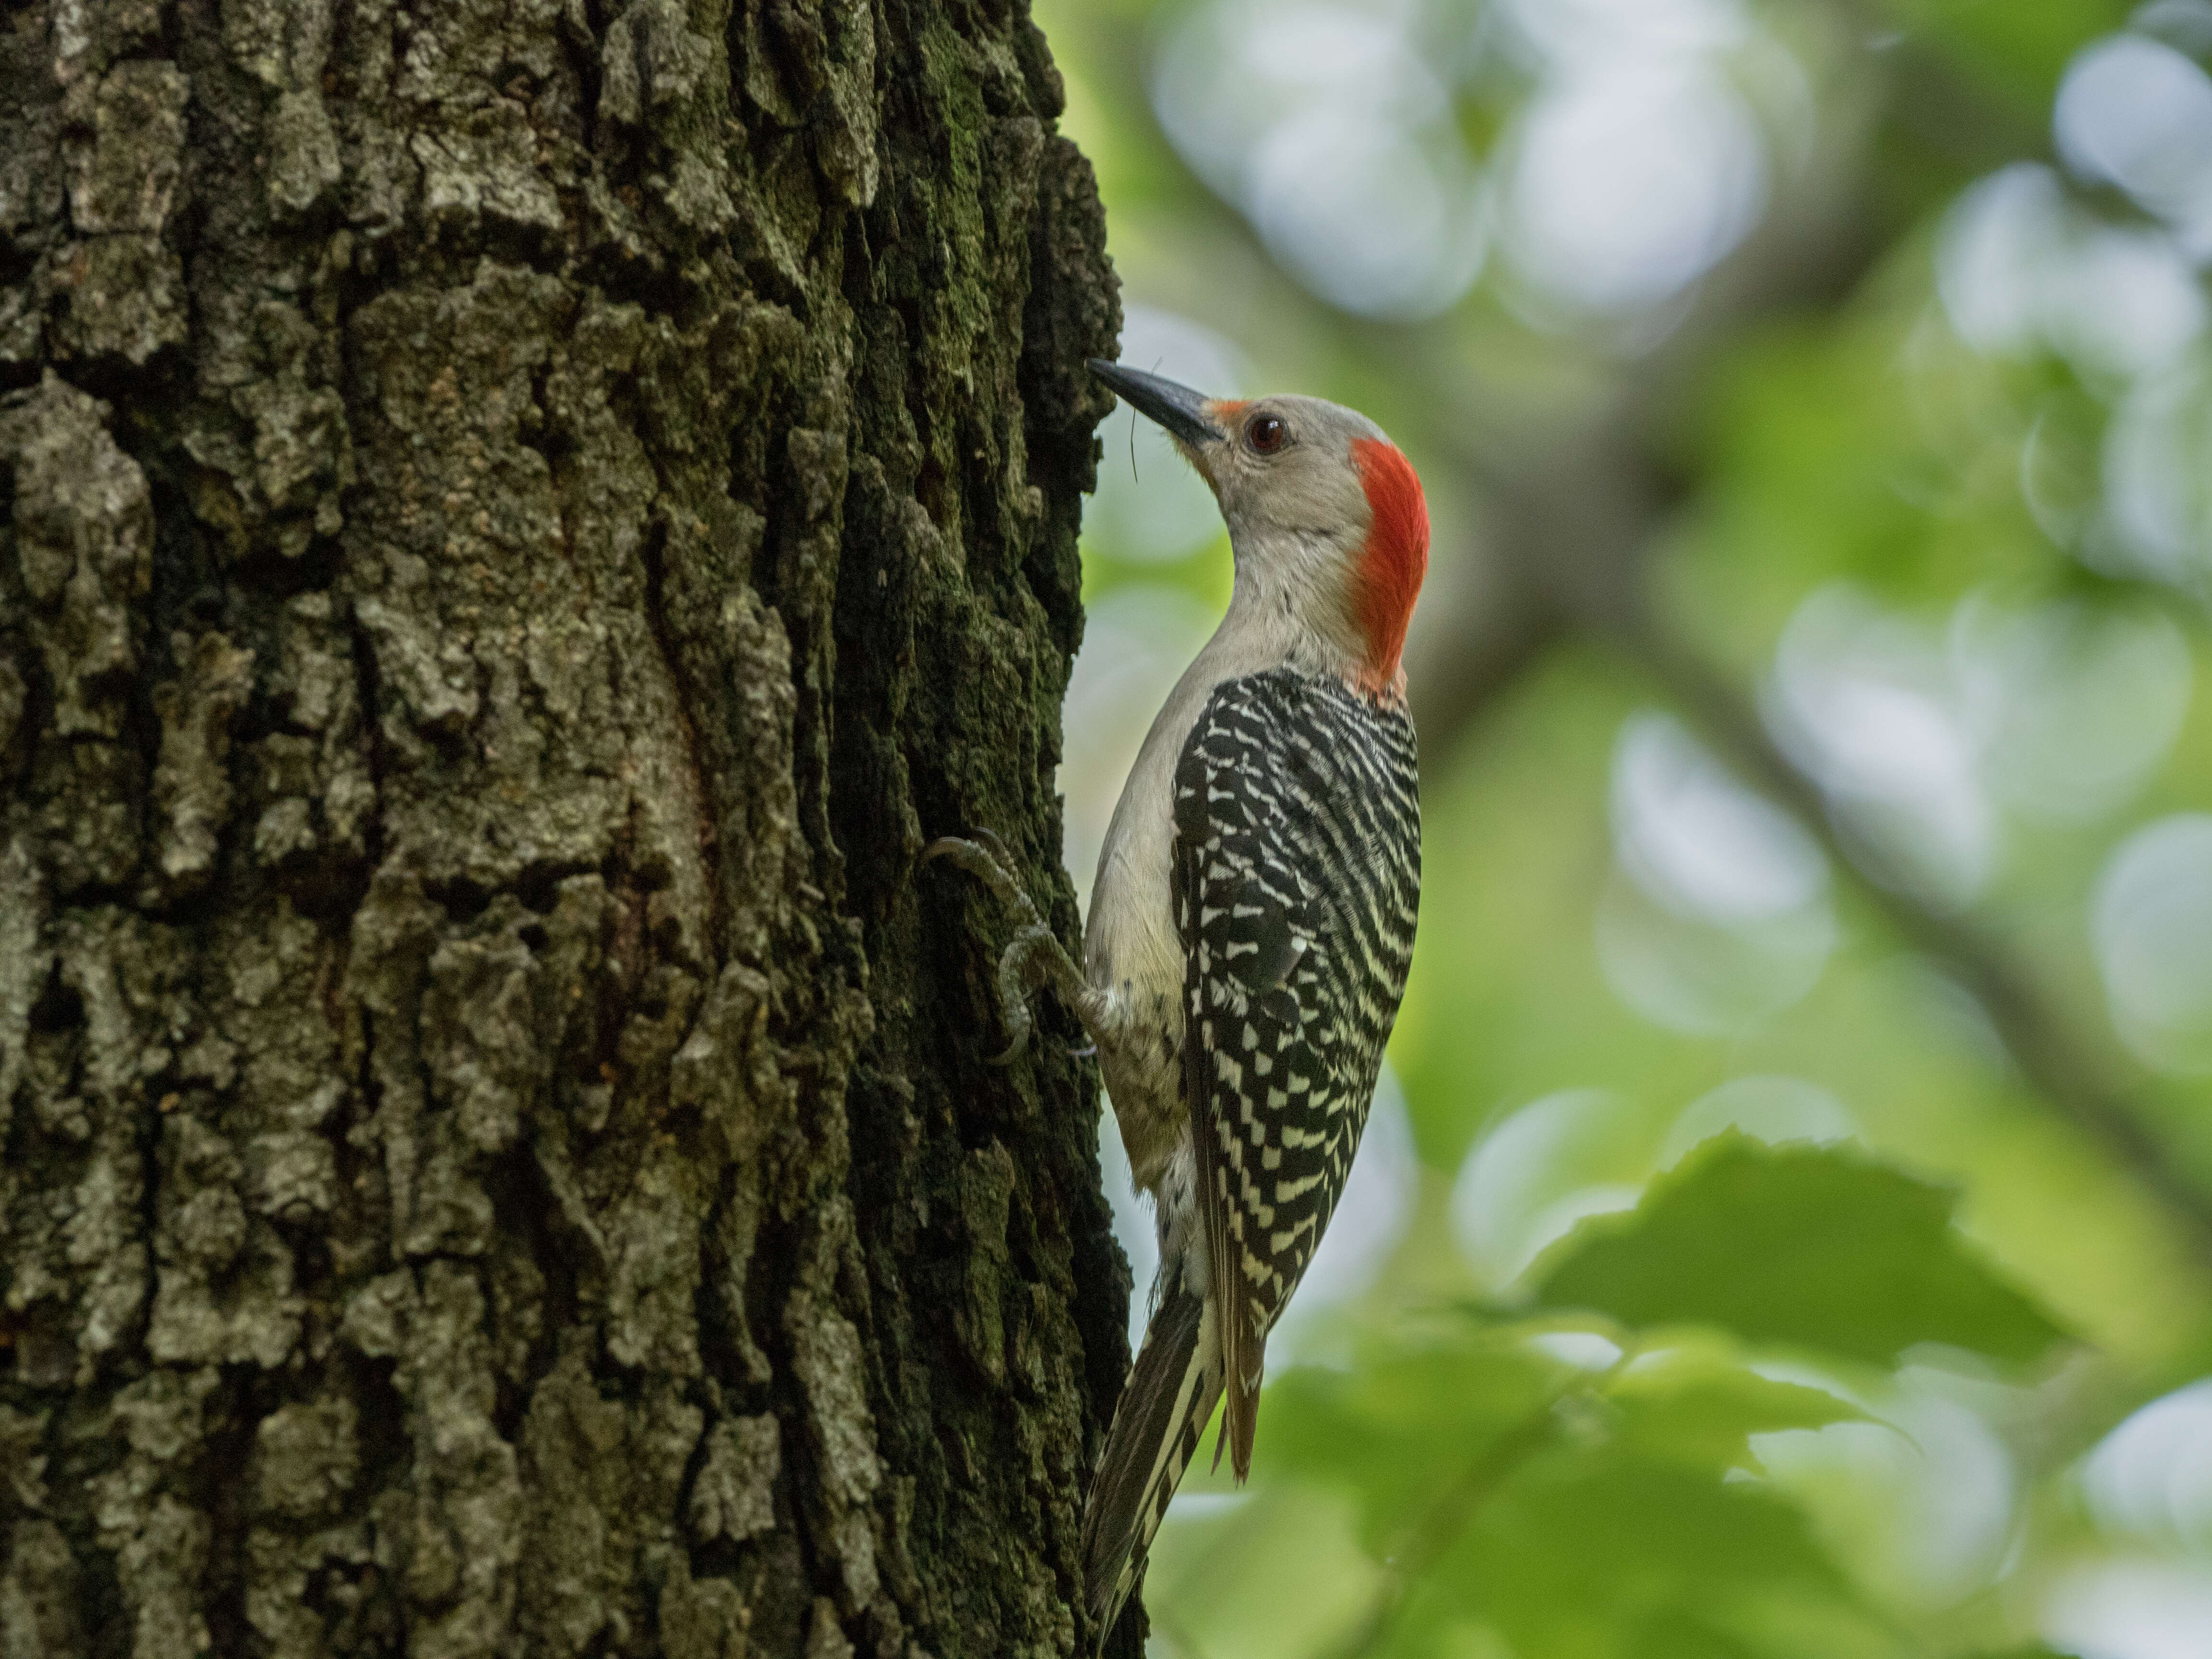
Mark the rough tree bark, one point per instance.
(524, 517)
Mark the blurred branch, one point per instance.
(1441, 1524)
(2054, 1060)
(1578, 528)
(1578, 524)
(1575, 517)
(1572, 504)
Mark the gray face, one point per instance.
(1283, 468)
(1284, 471)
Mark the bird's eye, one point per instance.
(1266, 434)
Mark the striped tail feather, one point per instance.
(1172, 1392)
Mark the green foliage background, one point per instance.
(1843, 1385)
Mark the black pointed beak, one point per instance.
(1180, 411)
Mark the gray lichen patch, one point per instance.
(734, 1496)
(83, 544)
(192, 781)
(125, 175)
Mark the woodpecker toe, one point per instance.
(989, 842)
(984, 856)
(943, 847)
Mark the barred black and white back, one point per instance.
(1297, 878)
(1298, 852)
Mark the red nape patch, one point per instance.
(1396, 555)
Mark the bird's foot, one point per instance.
(984, 856)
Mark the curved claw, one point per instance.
(1085, 1052)
(982, 854)
(938, 849)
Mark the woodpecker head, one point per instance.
(1325, 514)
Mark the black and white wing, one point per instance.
(1296, 880)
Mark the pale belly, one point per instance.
(1134, 959)
(1143, 1068)
(1142, 1061)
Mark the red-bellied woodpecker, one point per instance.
(1252, 921)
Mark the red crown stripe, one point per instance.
(1396, 556)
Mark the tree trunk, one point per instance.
(525, 517)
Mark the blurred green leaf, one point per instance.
(1588, 1551)
(1400, 1428)
(1679, 1635)
(1813, 1248)
(1690, 1406)
(1615, 1479)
